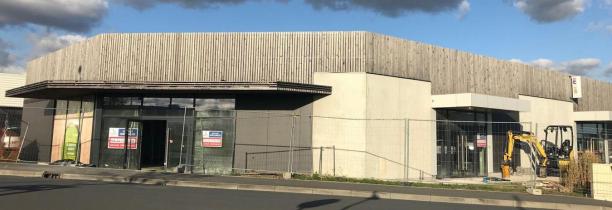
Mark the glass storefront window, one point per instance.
(182, 103)
(458, 154)
(156, 102)
(184, 124)
(592, 136)
(215, 119)
(122, 101)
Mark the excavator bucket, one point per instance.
(505, 170)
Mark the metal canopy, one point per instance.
(52, 89)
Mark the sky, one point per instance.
(573, 36)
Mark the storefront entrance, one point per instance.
(461, 143)
(154, 141)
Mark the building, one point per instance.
(381, 106)
(10, 114)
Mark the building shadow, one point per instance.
(323, 202)
(316, 203)
(19, 189)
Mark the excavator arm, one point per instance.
(529, 139)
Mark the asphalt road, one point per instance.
(49, 194)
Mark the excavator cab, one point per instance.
(559, 146)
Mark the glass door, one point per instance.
(133, 140)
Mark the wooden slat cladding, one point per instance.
(452, 71)
(295, 56)
(237, 57)
(596, 96)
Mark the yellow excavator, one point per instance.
(552, 159)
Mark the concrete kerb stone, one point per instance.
(305, 190)
(4, 172)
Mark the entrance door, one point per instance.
(133, 137)
(153, 152)
(468, 163)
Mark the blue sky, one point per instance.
(566, 35)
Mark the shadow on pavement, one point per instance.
(316, 203)
(18, 189)
(323, 202)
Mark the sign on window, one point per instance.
(212, 138)
(116, 138)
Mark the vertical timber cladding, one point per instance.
(451, 71)
(295, 56)
(236, 57)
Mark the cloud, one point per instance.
(542, 62)
(392, 8)
(145, 4)
(582, 66)
(600, 26)
(608, 70)
(13, 69)
(8, 60)
(49, 42)
(546, 11)
(6, 57)
(464, 8)
(70, 15)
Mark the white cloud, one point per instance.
(49, 42)
(542, 62)
(16, 69)
(71, 15)
(546, 11)
(582, 66)
(464, 8)
(600, 26)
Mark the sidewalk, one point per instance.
(522, 200)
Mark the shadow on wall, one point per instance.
(30, 151)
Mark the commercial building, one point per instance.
(10, 114)
(354, 104)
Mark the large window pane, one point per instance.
(182, 103)
(156, 102)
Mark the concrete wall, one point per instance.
(39, 115)
(7, 82)
(364, 119)
(602, 182)
(267, 126)
(339, 121)
(545, 112)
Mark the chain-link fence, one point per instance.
(221, 140)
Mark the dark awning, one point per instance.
(52, 89)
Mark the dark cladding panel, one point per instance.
(268, 126)
(39, 115)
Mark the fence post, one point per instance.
(321, 160)
(246, 161)
(290, 161)
(334, 154)
(406, 148)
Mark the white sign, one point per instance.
(116, 138)
(576, 87)
(212, 138)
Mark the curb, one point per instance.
(310, 191)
